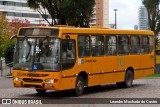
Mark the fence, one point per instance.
(1, 68)
(4, 69)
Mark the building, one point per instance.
(143, 18)
(101, 14)
(19, 9)
(135, 27)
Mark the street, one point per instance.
(142, 88)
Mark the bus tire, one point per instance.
(40, 91)
(128, 80)
(79, 86)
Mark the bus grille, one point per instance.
(36, 86)
(32, 80)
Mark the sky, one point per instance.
(127, 14)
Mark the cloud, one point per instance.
(127, 14)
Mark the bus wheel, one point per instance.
(128, 80)
(79, 86)
(40, 91)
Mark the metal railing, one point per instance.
(3, 67)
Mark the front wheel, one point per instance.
(40, 91)
(79, 86)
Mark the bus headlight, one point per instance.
(51, 81)
(16, 79)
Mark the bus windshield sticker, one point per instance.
(80, 61)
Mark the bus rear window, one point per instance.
(38, 32)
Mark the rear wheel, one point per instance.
(79, 88)
(127, 81)
(40, 91)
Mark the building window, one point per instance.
(4, 2)
(1, 3)
(18, 14)
(19, 4)
(11, 3)
(10, 14)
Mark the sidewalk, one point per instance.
(6, 72)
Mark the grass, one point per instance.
(153, 76)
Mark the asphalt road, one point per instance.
(142, 88)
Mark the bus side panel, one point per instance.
(134, 61)
(68, 83)
(107, 78)
(148, 72)
(119, 76)
(110, 64)
(120, 72)
(94, 80)
(138, 74)
(147, 63)
(97, 68)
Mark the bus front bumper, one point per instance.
(47, 84)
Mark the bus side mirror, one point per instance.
(12, 37)
(9, 55)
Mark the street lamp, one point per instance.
(115, 18)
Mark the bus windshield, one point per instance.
(37, 54)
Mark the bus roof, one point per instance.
(95, 30)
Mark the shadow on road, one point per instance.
(87, 91)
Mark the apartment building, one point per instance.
(101, 14)
(19, 9)
(143, 18)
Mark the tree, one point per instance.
(16, 23)
(5, 35)
(70, 12)
(153, 10)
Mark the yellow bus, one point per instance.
(61, 58)
(157, 54)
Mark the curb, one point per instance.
(8, 77)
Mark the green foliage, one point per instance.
(5, 35)
(65, 12)
(153, 9)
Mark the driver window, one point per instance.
(68, 53)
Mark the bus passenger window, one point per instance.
(110, 45)
(134, 45)
(97, 45)
(151, 42)
(123, 45)
(83, 45)
(144, 45)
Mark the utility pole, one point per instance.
(115, 18)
